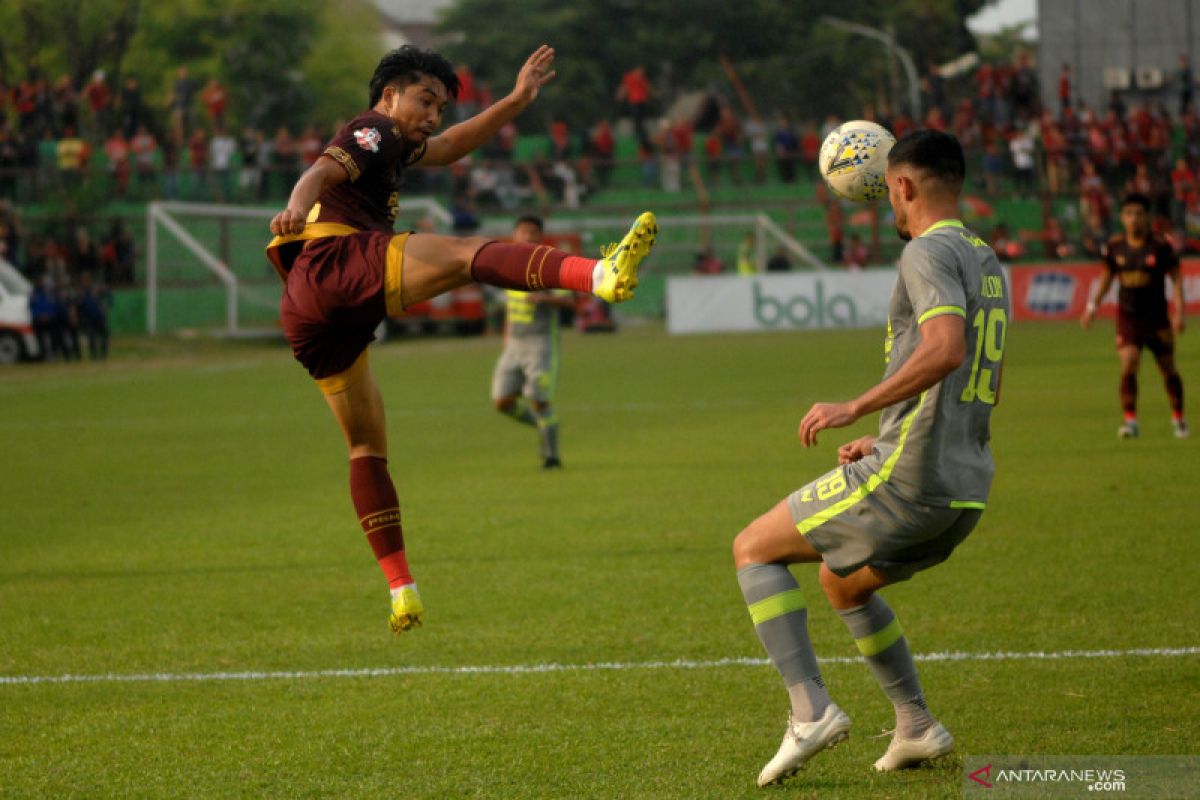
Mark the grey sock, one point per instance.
(547, 423)
(877, 633)
(781, 622)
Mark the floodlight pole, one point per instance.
(910, 69)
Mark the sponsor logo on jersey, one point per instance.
(368, 139)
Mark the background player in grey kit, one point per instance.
(899, 502)
(526, 374)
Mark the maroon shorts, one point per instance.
(335, 297)
(1154, 334)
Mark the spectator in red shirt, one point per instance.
(97, 98)
(215, 100)
(635, 90)
(466, 104)
(810, 148)
(604, 146)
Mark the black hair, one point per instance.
(405, 65)
(935, 152)
(531, 220)
(1136, 199)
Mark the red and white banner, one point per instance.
(1060, 291)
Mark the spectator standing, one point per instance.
(144, 147)
(179, 103)
(93, 303)
(216, 100)
(198, 161)
(1064, 87)
(116, 255)
(283, 151)
(116, 150)
(760, 146)
(1021, 149)
(604, 146)
(635, 90)
(221, 150)
(132, 112)
(787, 149)
(466, 104)
(810, 149)
(97, 100)
(250, 147)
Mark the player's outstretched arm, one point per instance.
(458, 140)
(941, 351)
(320, 176)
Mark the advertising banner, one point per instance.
(1061, 291)
(801, 301)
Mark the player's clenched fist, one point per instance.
(287, 222)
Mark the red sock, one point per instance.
(1129, 391)
(531, 267)
(378, 508)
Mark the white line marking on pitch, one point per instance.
(523, 669)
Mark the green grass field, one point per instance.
(183, 510)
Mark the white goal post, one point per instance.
(166, 216)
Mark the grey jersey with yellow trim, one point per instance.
(527, 319)
(942, 435)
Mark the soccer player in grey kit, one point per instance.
(526, 373)
(899, 502)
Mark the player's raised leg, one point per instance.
(881, 641)
(777, 607)
(435, 264)
(354, 399)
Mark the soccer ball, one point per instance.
(853, 159)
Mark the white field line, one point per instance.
(524, 669)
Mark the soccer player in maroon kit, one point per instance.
(1140, 261)
(345, 268)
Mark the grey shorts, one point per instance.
(853, 525)
(528, 368)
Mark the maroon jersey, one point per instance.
(1141, 272)
(374, 156)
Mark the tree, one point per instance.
(785, 58)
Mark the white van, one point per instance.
(17, 341)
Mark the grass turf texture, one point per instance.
(183, 508)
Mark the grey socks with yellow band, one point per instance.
(881, 641)
(780, 618)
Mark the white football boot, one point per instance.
(902, 753)
(802, 741)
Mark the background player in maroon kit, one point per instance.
(1140, 261)
(345, 268)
